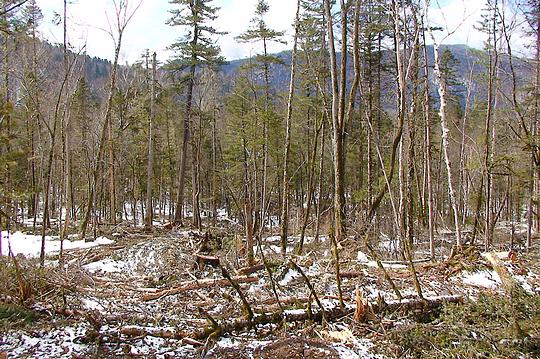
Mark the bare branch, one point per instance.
(13, 7)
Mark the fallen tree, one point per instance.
(216, 330)
(198, 284)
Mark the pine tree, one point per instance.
(194, 50)
(10, 24)
(32, 16)
(259, 32)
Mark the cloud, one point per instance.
(461, 18)
(87, 20)
(235, 17)
(148, 29)
(90, 21)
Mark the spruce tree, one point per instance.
(194, 50)
(259, 32)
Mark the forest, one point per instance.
(371, 192)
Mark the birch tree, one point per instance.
(443, 99)
(124, 12)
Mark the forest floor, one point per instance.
(138, 294)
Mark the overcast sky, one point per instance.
(87, 20)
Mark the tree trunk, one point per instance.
(179, 214)
(442, 88)
(101, 149)
(338, 114)
(428, 155)
(285, 186)
(150, 165)
(493, 63)
(48, 174)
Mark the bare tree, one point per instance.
(123, 15)
(285, 186)
(443, 98)
(150, 164)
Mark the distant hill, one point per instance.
(470, 64)
(468, 61)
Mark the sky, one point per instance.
(88, 22)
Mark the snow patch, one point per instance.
(501, 255)
(362, 257)
(289, 277)
(92, 304)
(55, 343)
(227, 343)
(30, 245)
(485, 279)
(105, 265)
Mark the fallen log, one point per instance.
(135, 331)
(251, 270)
(271, 305)
(351, 274)
(192, 342)
(415, 261)
(198, 284)
(291, 316)
(203, 260)
(295, 300)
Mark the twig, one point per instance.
(236, 287)
(380, 265)
(312, 290)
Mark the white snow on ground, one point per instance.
(55, 343)
(522, 280)
(66, 343)
(273, 239)
(227, 343)
(92, 304)
(530, 282)
(360, 350)
(362, 257)
(500, 255)
(347, 347)
(106, 265)
(314, 270)
(294, 311)
(30, 245)
(372, 292)
(289, 276)
(485, 278)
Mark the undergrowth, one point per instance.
(490, 327)
(24, 283)
(14, 316)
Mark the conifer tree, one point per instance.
(259, 32)
(194, 50)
